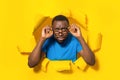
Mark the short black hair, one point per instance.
(60, 18)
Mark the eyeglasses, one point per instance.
(62, 29)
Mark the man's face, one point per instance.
(60, 30)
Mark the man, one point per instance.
(61, 42)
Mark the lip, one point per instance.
(60, 38)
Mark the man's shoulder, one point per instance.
(49, 40)
(73, 38)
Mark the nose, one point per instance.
(60, 32)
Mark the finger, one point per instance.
(43, 31)
(51, 32)
(48, 29)
(72, 28)
(77, 28)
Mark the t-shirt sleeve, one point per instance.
(79, 46)
(44, 46)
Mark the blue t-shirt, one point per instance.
(66, 51)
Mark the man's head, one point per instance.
(60, 26)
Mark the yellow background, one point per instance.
(17, 21)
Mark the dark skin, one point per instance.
(60, 31)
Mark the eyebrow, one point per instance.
(61, 26)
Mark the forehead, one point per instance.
(60, 24)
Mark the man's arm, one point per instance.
(35, 56)
(86, 53)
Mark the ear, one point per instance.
(68, 28)
(52, 28)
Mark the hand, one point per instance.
(47, 32)
(75, 30)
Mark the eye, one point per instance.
(64, 29)
(56, 29)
